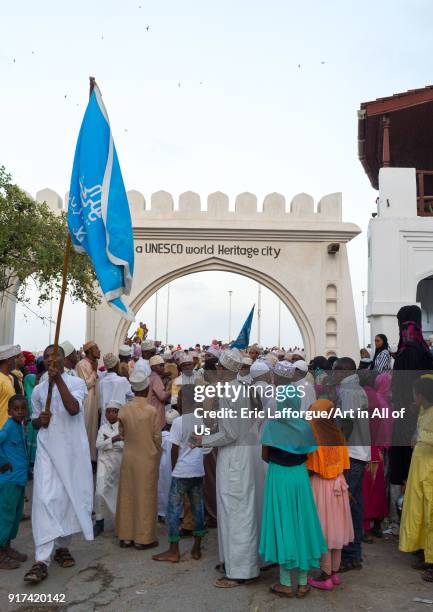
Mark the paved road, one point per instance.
(107, 578)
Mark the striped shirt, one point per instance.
(382, 363)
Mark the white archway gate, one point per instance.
(288, 252)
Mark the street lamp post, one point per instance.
(167, 313)
(279, 323)
(156, 315)
(230, 315)
(363, 318)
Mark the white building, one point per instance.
(396, 150)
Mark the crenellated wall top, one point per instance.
(190, 206)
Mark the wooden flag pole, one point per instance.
(62, 294)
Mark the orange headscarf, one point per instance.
(331, 457)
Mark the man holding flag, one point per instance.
(100, 225)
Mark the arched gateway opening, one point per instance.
(198, 307)
(210, 309)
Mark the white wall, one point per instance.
(400, 250)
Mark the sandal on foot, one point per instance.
(6, 563)
(303, 591)
(64, 557)
(36, 573)
(229, 583)
(16, 555)
(273, 589)
(126, 543)
(322, 581)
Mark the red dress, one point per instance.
(373, 485)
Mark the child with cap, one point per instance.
(109, 444)
(14, 466)
(187, 478)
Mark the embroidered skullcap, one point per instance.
(285, 369)
(9, 350)
(89, 345)
(258, 368)
(110, 360)
(156, 360)
(231, 359)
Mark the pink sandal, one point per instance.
(323, 582)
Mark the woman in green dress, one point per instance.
(291, 533)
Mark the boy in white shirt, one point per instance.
(186, 479)
(110, 446)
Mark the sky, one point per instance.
(267, 101)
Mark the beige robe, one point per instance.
(136, 514)
(85, 371)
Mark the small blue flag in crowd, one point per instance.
(98, 212)
(243, 340)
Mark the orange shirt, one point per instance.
(329, 461)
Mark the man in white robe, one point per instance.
(164, 480)
(62, 480)
(237, 479)
(262, 381)
(113, 387)
(110, 446)
(306, 390)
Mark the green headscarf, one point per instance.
(293, 435)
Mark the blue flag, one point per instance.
(243, 340)
(98, 212)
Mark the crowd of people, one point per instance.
(296, 463)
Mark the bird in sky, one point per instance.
(65, 96)
(179, 84)
(147, 28)
(299, 65)
(322, 63)
(14, 60)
